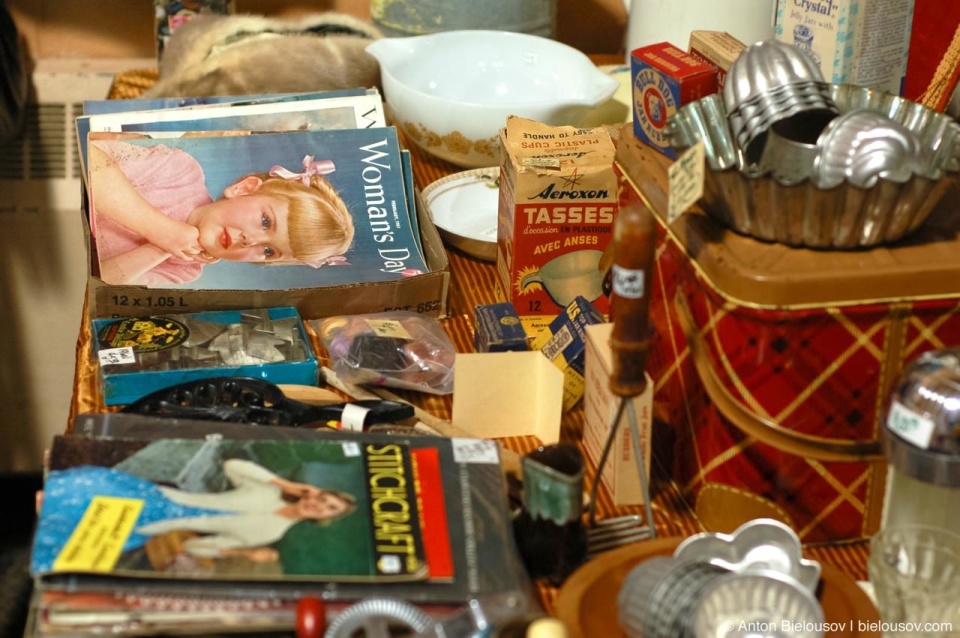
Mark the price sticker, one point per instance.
(910, 426)
(388, 328)
(475, 451)
(117, 356)
(627, 283)
(686, 177)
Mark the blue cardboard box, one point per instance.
(498, 329)
(565, 344)
(140, 355)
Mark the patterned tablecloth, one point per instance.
(472, 283)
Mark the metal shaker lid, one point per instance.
(922, 428)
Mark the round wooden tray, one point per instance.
(587, 602)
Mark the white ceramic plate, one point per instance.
(463, 207)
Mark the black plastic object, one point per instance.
(14, 78)
(254, 401)
(549, 530)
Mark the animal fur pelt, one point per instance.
(246, 54)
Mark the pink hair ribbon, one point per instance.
(310, 168)
(333, 260)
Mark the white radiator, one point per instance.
(43, 265)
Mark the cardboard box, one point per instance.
(564, 343)
(558, 200)
(664, 79)
(718, 48)
(862, 42)
(498, 329)
(620, 474)
(426, 293)
(140, 355)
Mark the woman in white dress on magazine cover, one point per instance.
(242, 521)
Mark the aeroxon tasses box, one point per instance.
(558, 200)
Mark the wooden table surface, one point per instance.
(472, 283)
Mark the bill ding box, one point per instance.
(558, 200)
(664, 79)
(140, 355)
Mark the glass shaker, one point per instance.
(922, 444)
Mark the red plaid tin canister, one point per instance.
(773, 365)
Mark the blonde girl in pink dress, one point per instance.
(155, 223)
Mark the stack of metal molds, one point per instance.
(798, 161)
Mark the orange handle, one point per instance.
(632, 279)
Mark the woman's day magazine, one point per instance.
(353, 108)
(368, 175)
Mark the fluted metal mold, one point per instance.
(755, 203)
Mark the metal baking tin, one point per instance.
(763, 599)
(757, 204)
(864, 146)
(768, 82)
(768, 66)
(760, 544)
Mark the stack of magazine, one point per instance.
(188, 527)
(162, 526)
(180, 158)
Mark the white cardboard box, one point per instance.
(862, 42)
(620, 474)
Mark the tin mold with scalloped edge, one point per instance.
(760, 544)
(767, 66)
(772, 81)
(754, 202)
(864, 146)
(760, 603)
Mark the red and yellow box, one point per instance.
(718, 48)
(558, 201)
(773, 366)
(664, 78)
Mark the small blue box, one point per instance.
(140, 355)
(498, 329)
(565, 344)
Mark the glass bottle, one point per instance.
(922, 443)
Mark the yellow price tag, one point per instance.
(97, 542)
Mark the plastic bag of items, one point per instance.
(393, 349)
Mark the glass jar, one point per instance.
(922, 443)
